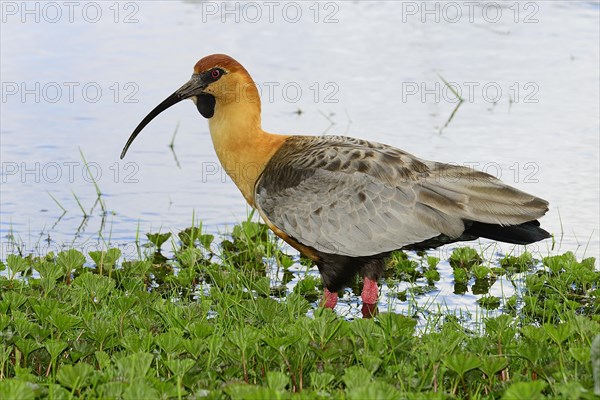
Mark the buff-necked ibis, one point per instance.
(347, 203)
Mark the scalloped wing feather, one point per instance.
(352, 197)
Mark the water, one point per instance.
(372, 70)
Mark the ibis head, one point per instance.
(225, 94)
(217, 82)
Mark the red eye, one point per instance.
(215, 73)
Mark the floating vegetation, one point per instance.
(234, 320)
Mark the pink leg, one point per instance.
(369, 297)
(331, 299)
(370, 291)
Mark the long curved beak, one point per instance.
(193, 87)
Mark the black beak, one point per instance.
(193, 87)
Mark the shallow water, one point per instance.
(83, 77)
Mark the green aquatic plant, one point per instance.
(203, 322)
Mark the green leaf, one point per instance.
(243, 338)
(371, 362)
(111, 390)
(195, 346)
(280, 343)
(481, 271)
(97, 287)
(16, 264)
(138, 343)
(461, 363)
(105, 259)
(522, 263)
(356, 377)
(140, 390)
(26, 345)
(48, 269)
(206, 240)
(63, 321)
(320, 380)
(560, 332)
(531, 351)
(240, 391)
(525, 391)
(22, 325)
(375, 390)
(490, 366)
(200, 329)
(432, 275)
(55, 347)
(432, 262)
(396, 325)
(4, 320)
(170, 342)
(134, 366)
(461, 275)
(572, 390)
(190, 257)
(157, 239)
(15, 389)
(189, 236)
(489, 302)
(57, 392)
(179, 367)
(277, 380)
(103, 359)
(580, 354)
(560, 262)
(75, 376)
(15, 299)
(464, 258)
(286, 261)
(70, 260)
(100, 329)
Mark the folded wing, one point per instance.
(356, 198)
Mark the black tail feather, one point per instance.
(337, 270)
(525, 233)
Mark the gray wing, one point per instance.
(351, 197)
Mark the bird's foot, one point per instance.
(330, 299)
(369, 310)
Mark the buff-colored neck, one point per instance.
(242, 146)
